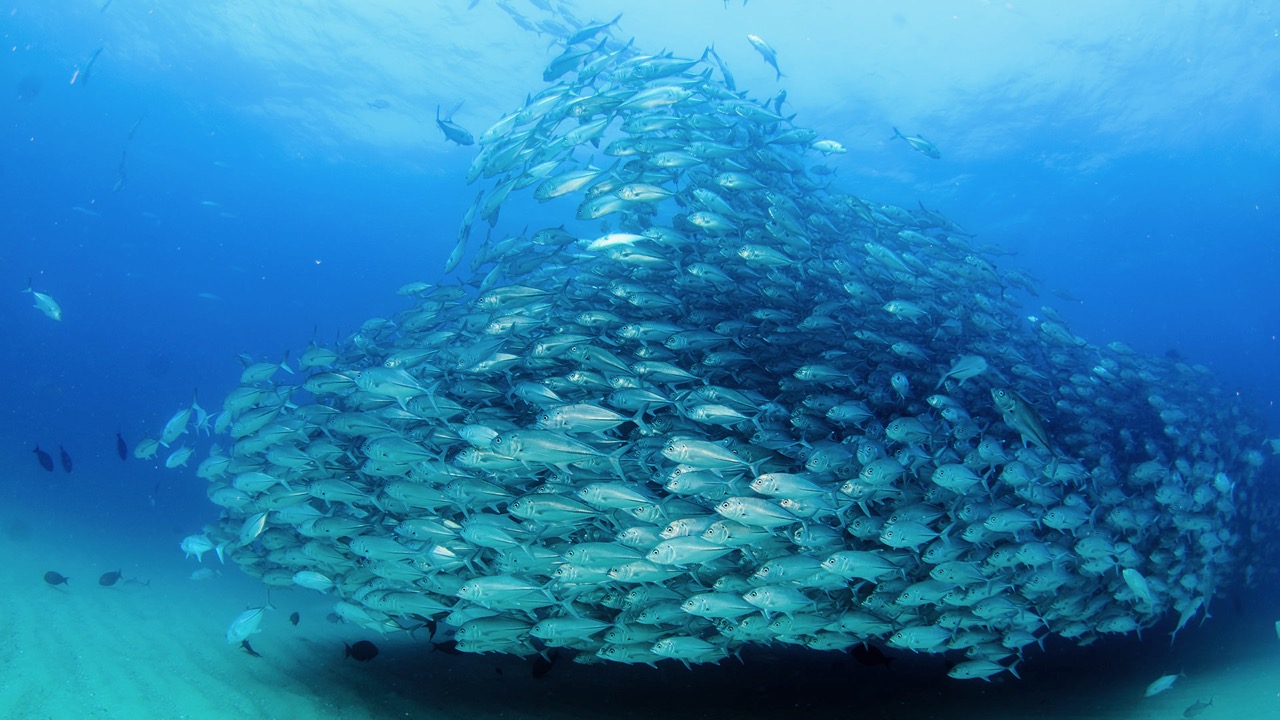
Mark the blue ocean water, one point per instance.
(244, 177)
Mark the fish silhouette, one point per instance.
(65, 458)
(46, 460)
(56, 578)
(122, 449)
(363, 651)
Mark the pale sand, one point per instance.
(133, 652)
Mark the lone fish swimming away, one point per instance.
(45, 304)
(919, 144)
(769, 54)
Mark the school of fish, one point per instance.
(722, 404)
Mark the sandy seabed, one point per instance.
(136, 652)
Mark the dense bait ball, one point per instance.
(721, 404)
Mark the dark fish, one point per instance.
(453, 131)
(249, 648)
(1196, 708)
(543, 665)
(448, 647)
(378, 104)
(870, 655)
(46, 460)
(56, 578)
(122, 449)
(294, 618)
(363, 651)
(66, 459)
(109, 579)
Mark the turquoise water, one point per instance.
(247, 178)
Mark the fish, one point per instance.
(362, 651)
(587, 32)
(198, 545)
(110, 578)
(965, 367)
(1160, 684)
(65, 458)
(453, 131)
(245, 624)
(295, 618)
(44, 458)
(56, 578)
(770, 56)
(45, 303)
(919, 144)
(1019, 414)
(1196, 708)
(145, 448)
(122, 449)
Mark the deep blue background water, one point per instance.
(1127, 156)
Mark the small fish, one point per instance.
(44, 303)
(249, 648)
(56, 578)
(770, 56)
(46, 460)
(109, 579)
(378, 104)
(919, 144)
(1162, 683)
(1196, 708)
(65, 458)
(453, 131)
(122, 449)
(295, 618)
(362, 651)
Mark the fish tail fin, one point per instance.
(29, 288)
(897, 134)
(218, 550)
